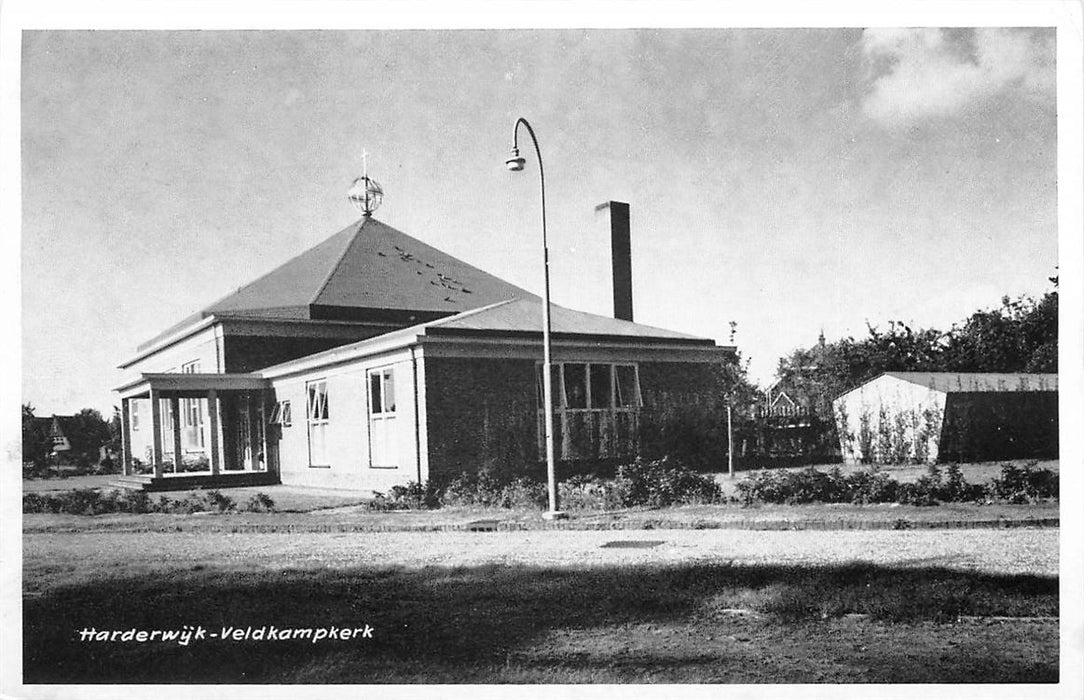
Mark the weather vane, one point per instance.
(365, 193)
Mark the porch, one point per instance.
(205, 430)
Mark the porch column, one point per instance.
(125, 437)
(175, 409)
(253, 435)
(212, 413)
(156, 431)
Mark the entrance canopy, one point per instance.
(189, 385)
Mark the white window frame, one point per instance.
(380, 419)
(192, 409)
(317, 419)
(561, 409)
(282, 414)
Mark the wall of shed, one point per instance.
(348, 428)
(984, 426)
(889, 421)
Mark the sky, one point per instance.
(788, 180)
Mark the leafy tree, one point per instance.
(1019, 336)
(36, 443)
(87, 431)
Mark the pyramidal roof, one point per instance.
(369, 265)
(365, 270)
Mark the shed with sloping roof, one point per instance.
(900, 417)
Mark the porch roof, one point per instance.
(190, 385)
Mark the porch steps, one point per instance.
(187, 482)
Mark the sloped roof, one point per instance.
(525, 316)
(959, 382)
(366, 266)
(508, 318)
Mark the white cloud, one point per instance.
(930, 72)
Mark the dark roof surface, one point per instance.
(525, 315)
(366, 266)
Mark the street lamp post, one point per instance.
(515, 164)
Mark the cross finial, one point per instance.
(365, 162)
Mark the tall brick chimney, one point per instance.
(620, 256)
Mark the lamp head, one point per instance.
(516, 162)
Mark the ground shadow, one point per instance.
(466, 624)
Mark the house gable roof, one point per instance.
(364, 271)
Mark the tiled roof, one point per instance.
(957, 382)
(367, 267)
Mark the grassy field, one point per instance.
(550, 607)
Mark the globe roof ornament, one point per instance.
(365, 193)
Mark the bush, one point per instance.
(592, 493)
(92, 502)
(260, 503)
(1023, 484)
(665, 482)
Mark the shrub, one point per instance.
(665, 482)
(260, 503)
(860, 487)
(472, 490)
(592, 493)
(1023, 484)
(216, 500)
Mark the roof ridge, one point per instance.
(468, 312)
(338, 261)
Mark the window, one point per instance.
(133, 414)
(317, 418)
(382, 434)
(192, 412)
(595, 409)
(281, 414)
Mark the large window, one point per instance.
(192, 413)
(318, 418)
(596, 409)
(382, 435)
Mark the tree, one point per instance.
(36, 444)
(87, 431)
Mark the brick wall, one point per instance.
(480, 414)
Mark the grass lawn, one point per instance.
(553, 607)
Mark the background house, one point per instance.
(949, 416)
(374, 359)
